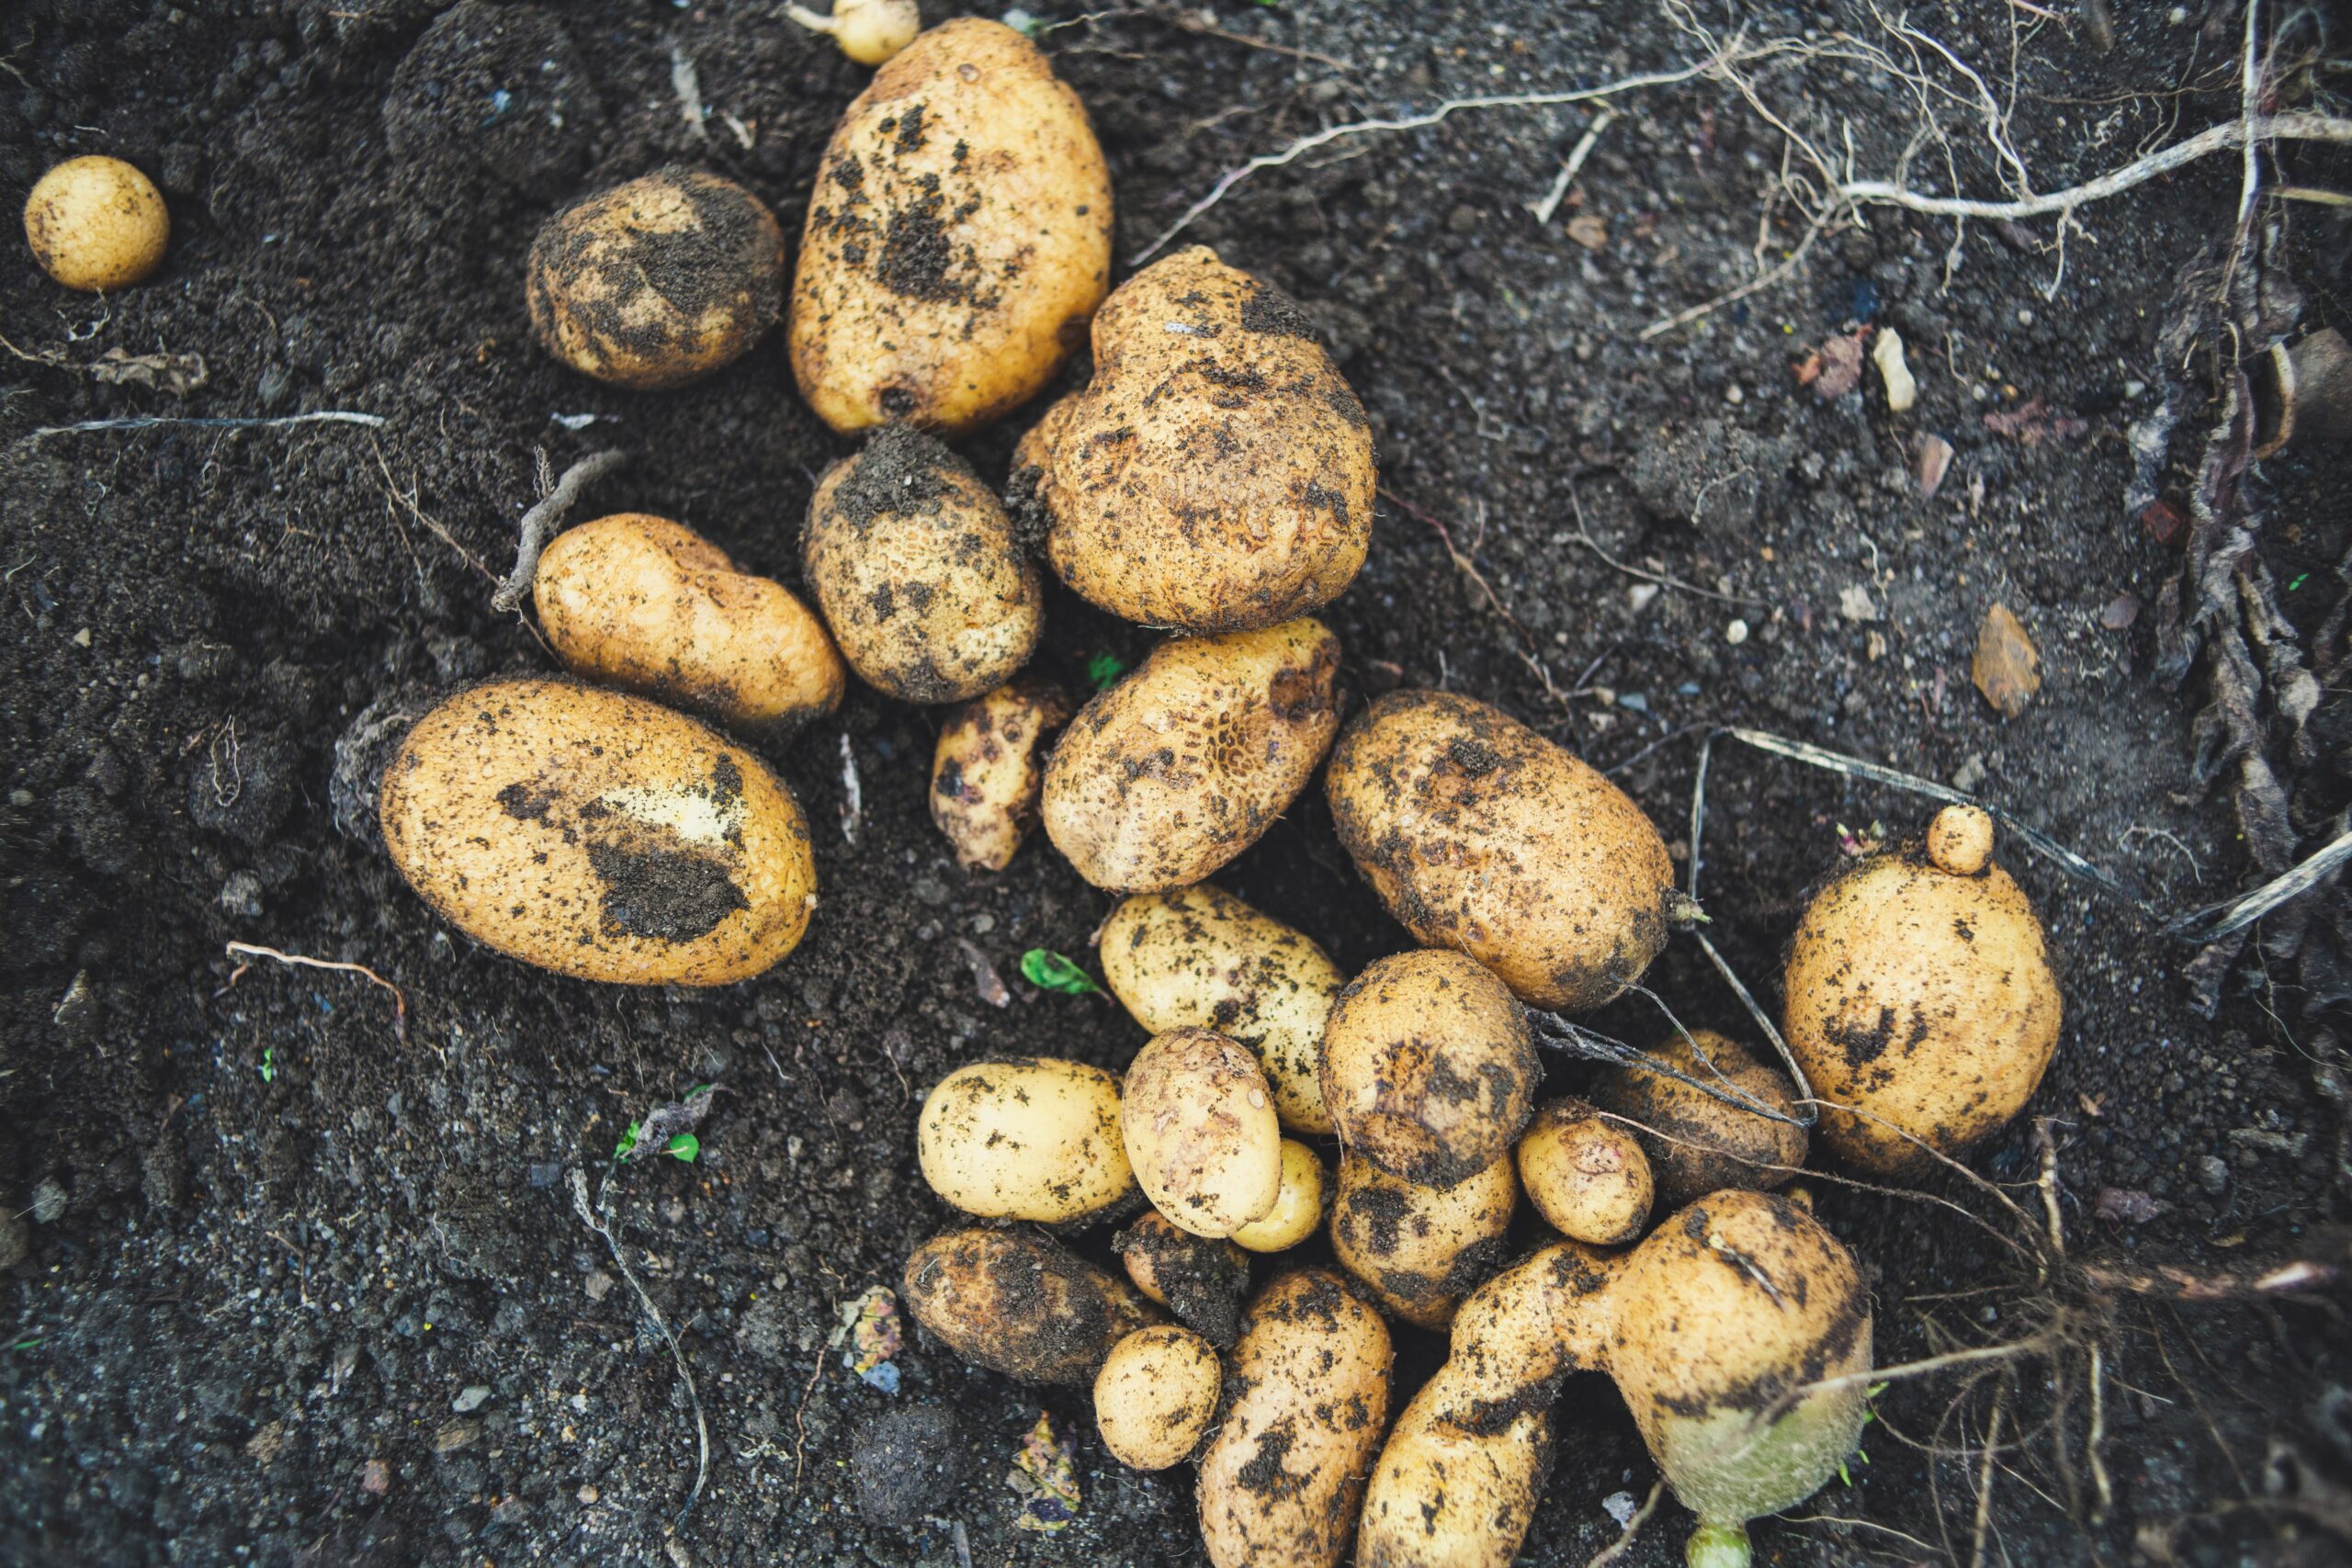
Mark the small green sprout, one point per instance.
(1050, 971)
(2300, 577)
(685, 1146)
(29, 1342)
(1104, 668)
(269, 1063)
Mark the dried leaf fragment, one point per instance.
(2007, 668)
(1589, 229)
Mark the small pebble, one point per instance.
(599, 1282)
(2213, 1175)
(471, 1399)
(375, 1478)
(49, 1200)
(1736, 633)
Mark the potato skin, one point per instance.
(1420, 1250)
(640, 601)
(1020, 1305)
(916, 569)
(1481, 836)
(1298, 1213)
(1186, 762)
(1198, 957)
(1033, 1138)
(958, 240)
(1587, 1176)
(97, 223)
(1217, 473)
(598, 835)
(1700, 1144)
(987, 775)
(1201, 1132)
(1156, 1396)
(1200, 1278)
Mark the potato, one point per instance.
(1217, 473)
(657, 282)
(97, 223)
(1297, 1211)
(1198, 957)
(1201, 1132)
(1185, 763)
(1586, 1175)
(986, 775)
(1421, 1250)
(1920, 1000)
(1156, 1396)
(916, 568)
(1020, 1305)
(1481, 836)
(1033, 1138)
(598, 835)
(868, 31)
(1200, 1278)
(1280, 1480)
(644, 602)
(1696, 1144)
(958, 240)
(1429, 1067)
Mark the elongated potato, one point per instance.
(987, 776)
(1587, 1176)
(1198, 957)
(1035, 1138)
(1156, 1396)
(1481, 836)
(598, 835)
(1421, 1250)
(1200, 1278)
(1201, 1132)
(958, 240)
(1020, 1305)
(1696, 1144)
(1298, 1213)
(1188, 760)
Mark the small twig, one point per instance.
(1624, 1540)
(1550, 203)
(1584, 537)
(246, 949)
(599, 1219)
(539, 524)
(149, 422)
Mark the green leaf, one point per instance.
(269, 1063)
(1842, 1477)
(1042, 967)
(1104, 668)
(629, 1142)
(2300, 577)
(685, 1146)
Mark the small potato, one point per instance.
(1217, 473)
(868, 31)
(97, 223)
(1156, 1396)
(1421, 1250)
(1020, 1305)
(958, 240)
(1200, 1278)
(1035, 1138)
(1188, 760)
(1201, 1132)
(1696, 1144)
(1586, 1175)
(1298, 1213)
(1198, 957)
(916, 568)
(1429, 1067)
(598, 835)
(657, 282)
(644, 602)
(986, 775)
(1482, 837)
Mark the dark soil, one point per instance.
(269, 1243)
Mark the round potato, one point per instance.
(1201, 1132)
(1020, 1305)
(1421, 1250)
(958, 240)
(1297, 1212)
(916, 568)
(1156, 1396)
(1217, 473)
(598, 835)
(97, 223)
(1200, 1278)
(1696, 1144)
(868, 31)
(1188, 760)
(1035, 1139)
(1587, 1176)
(644, 602)
(987, 775)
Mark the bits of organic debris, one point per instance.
(2121, 612)
(871, 1332)
(1589, 229)
(1887, 353)
(2032, 424)
(1044, 1477)
(1935, 461)
(2164, 522)
(1854, 603)
(1834, 368)
(2007, 668)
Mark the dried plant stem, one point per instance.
(249, 950)
(540, 524)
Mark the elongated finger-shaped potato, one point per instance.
(1156, 1396)
(598, 835)
(1481, 836)
(958, 240)
(1587, 1176)
(1200, 1278)
(1188, 760)
(1020, 1305)
(1697, 1143)
(1421, 1250)
(987, 775)
(1035, 1139)
(1298, 1213)
(1198, 957)
(1201, 1132)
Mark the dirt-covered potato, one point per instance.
(598, 835)
(97, 223)
(1198, 957)
(644, 602)
(1186, 762)
(1920, 998)
(1217, 473)
(987, 775)
(1201, 1132)
(1586, 1175)
(958, 240)
(1421, 1250)
(1696, 1144)
(1429, 1067)
(1156, 1396)
(1298, 1213)
(1200, 1278)
(657, 282)
(916, 568)
(1033, 1138)
(1482, 837)
(1280, 1480)
(1017, 1303)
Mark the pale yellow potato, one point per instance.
(1421, 1250)
(1481, 836)
(1298, 1213)
(598, 835)
(1696, 1144)
(868, 31)
(657, 282)
(987, 774)
(1586, 1175)
(1200, 1278)
(1188, 760)
(1198, 957)
(916, 568)
(1156, 1396)
(1033, 1138)
(97, 223)
(1960, 839)
(958, 239)
(1217, 473)
(641, 602)
(1201, 1132)
(1018, 1303)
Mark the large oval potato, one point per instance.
(1697, 1143)
(958, 240)
(1156, 1396)
(1217, 473)
(1201, 1132)
(1035, 1139)
(1188, 760)
(987, 775)
(1020, 1305)
(1421, 1250)
(1482, 837)
(641, 602)
(598, 835)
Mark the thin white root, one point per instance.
(1543, 209)
(599, 1219)
(1618, 1548)
(327, 416)
(299, 961)
(540, 523)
